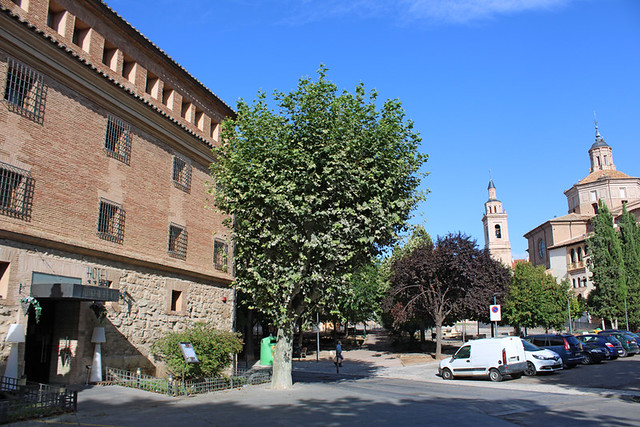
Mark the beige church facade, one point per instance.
(560, 243)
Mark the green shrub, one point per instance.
(213, 348)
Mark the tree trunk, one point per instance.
(438, 339)
(282, 359)
(300, 335)
(249, 348)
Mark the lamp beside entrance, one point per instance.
(14, 336)
(98, 337)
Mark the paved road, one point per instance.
(374, 387)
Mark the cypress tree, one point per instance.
(630, 242)
(607, 267)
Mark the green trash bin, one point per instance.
(267, 346)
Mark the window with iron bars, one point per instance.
(182, 173)
(16, 192)
(111, 221)
(220, 254)
(117, 141)
(177, 241)
(24, 91)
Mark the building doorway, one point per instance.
(39, 342)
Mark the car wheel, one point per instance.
(446, 374)
(587, 360)
(495, 375)
(624, 353)
(531, 370)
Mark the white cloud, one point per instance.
(462, 11)
(432, 11)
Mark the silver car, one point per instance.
(540, 359)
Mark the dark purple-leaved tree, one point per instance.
(446, 280)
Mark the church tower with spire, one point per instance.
(496, 230)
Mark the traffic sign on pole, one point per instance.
(495, 314)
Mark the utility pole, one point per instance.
(569, 309)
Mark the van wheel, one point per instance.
(446, 374)
(495, 375)
(531, 370)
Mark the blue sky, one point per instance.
(507, 86)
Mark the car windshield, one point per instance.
(530, 347)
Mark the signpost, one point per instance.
(495, 315)
(190, 356)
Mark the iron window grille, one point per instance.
(177, 241)
(16, 192)
(182, 173)
(220, 254)
(24, 91)
(111, 221)
(117, 141)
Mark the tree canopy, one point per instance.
(438, 279)
(535, 298)
(316, 187)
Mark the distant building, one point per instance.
(560, 243)
(496, 228)
(105, 145)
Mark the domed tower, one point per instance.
(600, 154)
(496, 229)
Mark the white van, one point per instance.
(492, 357)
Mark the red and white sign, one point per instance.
(495, 314)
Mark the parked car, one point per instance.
(622, 331)
(612, 347)
(540, 359)
(492, 357)
(594, 352)
(567, 346)
(628, 343)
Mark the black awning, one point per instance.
(74, 291)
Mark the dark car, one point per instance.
(567, 346)
(622, 331)
(628, 342)
(610, 346)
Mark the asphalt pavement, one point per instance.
(374, 386)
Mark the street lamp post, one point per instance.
(569, 309)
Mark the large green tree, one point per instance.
(535, 298)
(317, 183)
(629, 233)
(606, 262)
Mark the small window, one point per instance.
(584, 282)
(215, 130)
(111, 221)
(167, 96)
(110, 55)
(595, 208)
(623, 193)
(117, 141)
(24, 91)
(177, 241)
(128, 69)
(220, 254)
(182, 173)
(573, 256)
(23, 4)
(498, 232)
(574, 282)
(579, 254)
(176, 300)
(4, 280)
(594, 196)
(56, 17)
(153, 85)
(16, 192)
(185, 111)
(81, 35)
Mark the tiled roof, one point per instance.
(604, 174)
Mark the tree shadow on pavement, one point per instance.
(325, 405)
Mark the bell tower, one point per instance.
(496, 230)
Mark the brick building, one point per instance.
(105, 144)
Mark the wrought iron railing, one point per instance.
(177, 387)
(22, 400)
